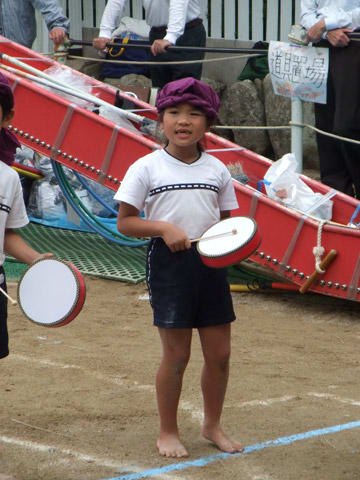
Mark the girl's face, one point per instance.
(184, 126)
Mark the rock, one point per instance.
(242, 106)
(132, 79)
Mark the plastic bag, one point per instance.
(283, 183)
(73, 81)
(46, 201)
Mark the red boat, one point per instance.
(103, 151)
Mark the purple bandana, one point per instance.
(8, 142)
(191, 91)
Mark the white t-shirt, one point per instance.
(12, 207)
(171, 13)
(190, 196)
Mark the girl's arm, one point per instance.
(16, 246)
(129, 223)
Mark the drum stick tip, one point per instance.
(14, 302)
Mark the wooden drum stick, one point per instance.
(212, 237)
(14, 302)
(323, 265)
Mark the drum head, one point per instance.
(227, 243)
(50, 292)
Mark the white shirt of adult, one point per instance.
(171, 13)
(336, 13)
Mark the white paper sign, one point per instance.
(299, 71)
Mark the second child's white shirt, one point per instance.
(190, 196)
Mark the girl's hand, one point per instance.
(175, 238)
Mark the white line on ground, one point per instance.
(196, 413)
(38, 447)
(99, 461)
(330, 396)
(265, 403)
(99, 376)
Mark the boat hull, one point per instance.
(103, 151)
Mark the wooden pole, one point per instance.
(323, 265)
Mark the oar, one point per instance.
(148, 125)
(174, 47)
(75, 93)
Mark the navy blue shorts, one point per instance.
(185, 293)
(4, 338)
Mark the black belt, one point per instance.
(188, 26)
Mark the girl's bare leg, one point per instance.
(215, 342)
(176, 343)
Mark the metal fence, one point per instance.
(223, 19)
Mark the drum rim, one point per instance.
(235, 249)
(77, 297)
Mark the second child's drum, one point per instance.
(51, 292)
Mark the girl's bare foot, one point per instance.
(170, 446)
(221, 440)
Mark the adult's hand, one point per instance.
(338, 37)
(100, 43)
(57, 35)
(159, 46)
(315, 33)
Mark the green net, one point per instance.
(89, 252)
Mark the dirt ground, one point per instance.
(78, 402)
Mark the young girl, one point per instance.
(12, 208)
(184, 191)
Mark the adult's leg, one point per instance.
(176, 344)
(193, 37)
(215, 343)
(160, 74)
(347, 110)
(333, 169)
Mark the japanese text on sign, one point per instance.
(299, 72)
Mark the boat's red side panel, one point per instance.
(288, 239)
(74, 136)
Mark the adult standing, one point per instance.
(18, 22)
(328, 22)
(172, 22)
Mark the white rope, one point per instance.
(284, 127)
(252, 127)
(319, 250)
(185, 62)
(338, 137)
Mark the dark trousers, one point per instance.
(339, 160)
(192, 37)
(4, 338)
